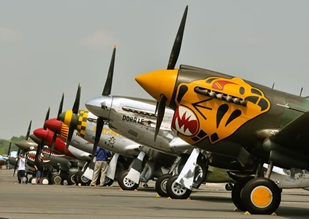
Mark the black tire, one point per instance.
(261, 196)
(108, 181)
(55, 179)
(76, 179)
(175, 190)
(82, 180)
(71, 178)
(237, 191)
(161, 185)
(124, 182)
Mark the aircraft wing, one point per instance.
(294, 135)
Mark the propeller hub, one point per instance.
(69, 118)
(35, 138)
(100, 106)
(53, 124)
(159, 82)
(40, 133)
(26, 145)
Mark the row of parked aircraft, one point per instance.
(203, 126)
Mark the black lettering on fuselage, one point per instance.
(132, 119)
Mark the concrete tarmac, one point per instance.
(63, 201)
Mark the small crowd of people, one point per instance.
(21, 170)
(103, 156)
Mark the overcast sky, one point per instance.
(48, 47)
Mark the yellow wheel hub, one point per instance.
(261, 196)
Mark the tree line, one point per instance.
(4, 144)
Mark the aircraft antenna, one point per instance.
(272, 87)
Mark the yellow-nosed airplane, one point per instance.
(246, 123)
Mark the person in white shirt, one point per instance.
(21, 169)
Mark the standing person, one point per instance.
(21, 169)
(101, 165)
(39, 170)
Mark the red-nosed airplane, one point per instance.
(247, 123)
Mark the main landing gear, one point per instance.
(125, 183)
(258, 195)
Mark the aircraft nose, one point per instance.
(40, 133)
(53, 124)
(22, 144)
(35, 138)
(159, 82)
(98, 105)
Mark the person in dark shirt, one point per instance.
(39, 170)
(101, 165)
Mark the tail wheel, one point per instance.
(161, 185)
(125, 183)
(175, 190)
(261, 196)
(237, 191)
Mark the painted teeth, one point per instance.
(181, 129)
(189, 116)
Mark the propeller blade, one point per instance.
(53, 143)
(60, 106)
(28, 131)
(100, 123)
(161, 110)
(73, 121)
(38, 150)
(109, 80)
(9, 149)
(77, 100)
(15, 167)
(70, 134)
(177, 43)
(157, 105)
(46, 117)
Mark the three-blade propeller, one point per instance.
(160, 107)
